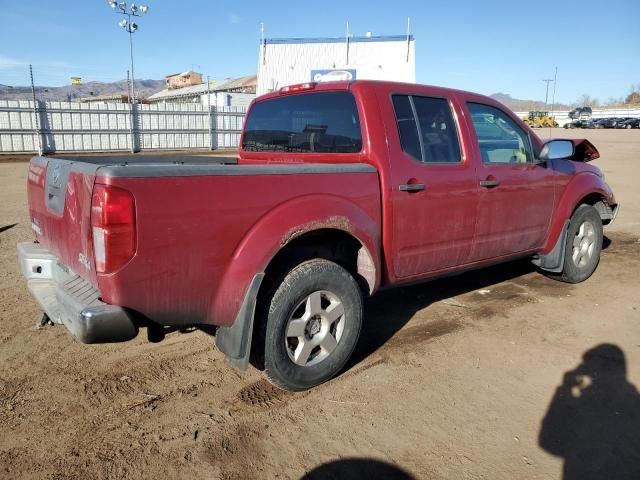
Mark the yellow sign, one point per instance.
(76, 80)
(212, 83)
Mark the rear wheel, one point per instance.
(313, 325)
(583, 245)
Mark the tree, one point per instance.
(634, 95)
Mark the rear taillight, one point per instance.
(113, 225)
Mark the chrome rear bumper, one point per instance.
(72, 301)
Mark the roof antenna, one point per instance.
(408, 37)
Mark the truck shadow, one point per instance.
(389, 311)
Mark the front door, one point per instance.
(517, 193)
(434, 187)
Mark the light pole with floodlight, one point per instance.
(130, 26)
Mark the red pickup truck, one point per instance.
(339, 190)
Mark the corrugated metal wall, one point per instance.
(68, 126)
(286, 62)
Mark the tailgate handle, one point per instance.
(412, 187)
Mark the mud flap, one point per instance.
(554, 260)
(235, 341)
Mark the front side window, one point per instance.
(322, 122)
(501, 140)
(427, 129)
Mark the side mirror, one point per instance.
(556, 150)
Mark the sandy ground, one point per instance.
(452, 379)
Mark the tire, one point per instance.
(307, 340)
(583, 246)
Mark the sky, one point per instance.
(480, 45)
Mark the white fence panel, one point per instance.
(68, 126)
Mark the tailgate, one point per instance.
(59, 193)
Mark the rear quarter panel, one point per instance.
(201, 239)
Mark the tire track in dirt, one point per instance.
(264, 395)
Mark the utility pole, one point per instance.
(209, 113)
(131, 121)
(555, 81)
(36, 111)
(553, 101)
(546, 96)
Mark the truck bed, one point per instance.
(194, 216)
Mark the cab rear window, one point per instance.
(322, 122)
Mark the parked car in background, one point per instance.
(339, 190)
(629, 123)
(610, 122)
(575, 124)
(580, 113)
(600, 122)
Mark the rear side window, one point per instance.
(323, 122)
(427, 129)
(407, 128)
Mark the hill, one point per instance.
(144, 88)
(518, 105)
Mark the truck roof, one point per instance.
(353, 84)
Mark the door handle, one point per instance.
(412, 187)
(489, 183)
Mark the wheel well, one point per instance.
(331, 244)
(600, 203)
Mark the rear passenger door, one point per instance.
(434, 187)
(517, 193)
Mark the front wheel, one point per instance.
(583, 245)
(313, 325)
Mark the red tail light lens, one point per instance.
(113, 226)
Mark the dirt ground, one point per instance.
(453, 379)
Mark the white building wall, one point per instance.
(286, 62)
(220, 99)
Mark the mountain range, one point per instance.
(518, 105)
(144, 88)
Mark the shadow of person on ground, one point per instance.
(593, 421)
(7, 227)
(357, 468)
